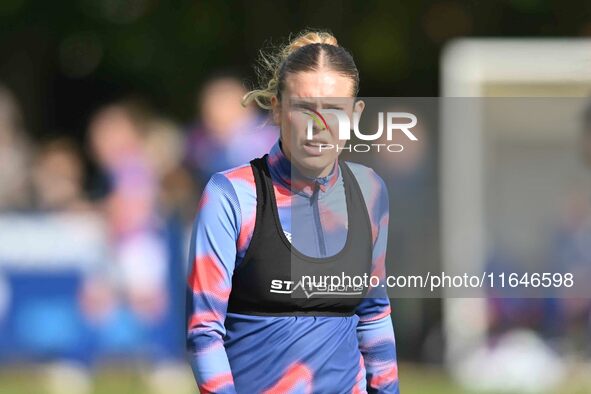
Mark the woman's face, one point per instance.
(306, 94)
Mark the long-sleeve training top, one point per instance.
(286, 354)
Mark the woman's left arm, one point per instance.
(375, 331)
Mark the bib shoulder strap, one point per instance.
(261, 175)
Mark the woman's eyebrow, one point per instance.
(304, 106)
(303, 103)
(308, 104)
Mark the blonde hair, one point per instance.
(301, 53)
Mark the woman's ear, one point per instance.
(359, 107)
(276, 110)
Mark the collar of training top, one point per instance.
(281, 168)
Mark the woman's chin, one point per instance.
(315, 164)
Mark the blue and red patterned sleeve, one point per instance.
(212, 259)
(375, 332)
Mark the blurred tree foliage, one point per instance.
(62, 59)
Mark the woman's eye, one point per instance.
(298, 108)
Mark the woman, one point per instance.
(247, 330)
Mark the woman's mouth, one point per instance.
(314, 148)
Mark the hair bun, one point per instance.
(307, 38)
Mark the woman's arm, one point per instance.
(375, 332)
(212, 260)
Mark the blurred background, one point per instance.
(114, 113)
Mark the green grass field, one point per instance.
(125, 380)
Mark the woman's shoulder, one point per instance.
(368, 179)
(233, 181)
(235, 185)
(231, 176)
(373, 188)
(241, 174)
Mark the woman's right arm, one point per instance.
(211, 264)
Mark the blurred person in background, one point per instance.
(227, 134)
(178, 198)
(14, 155)
(117, 140)
(140, 155)
(58, 176)
(178, 192)
(572, 246)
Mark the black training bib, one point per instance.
(269, 281)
